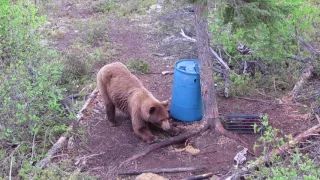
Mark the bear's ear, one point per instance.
(152, 109)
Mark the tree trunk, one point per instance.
(210, 107)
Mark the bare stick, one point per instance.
(90, 156)
(61, 141)
(164, 170)
(166, 72)
(307, 72)
(271, 102)
(10, 171)
(199, 177)
(315, 130)
(187, 37)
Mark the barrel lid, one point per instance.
(188, 66)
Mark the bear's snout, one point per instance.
(165, 125)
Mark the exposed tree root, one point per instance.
(181, 138)
(164, 170)
(315, 130)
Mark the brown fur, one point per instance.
(120, 88)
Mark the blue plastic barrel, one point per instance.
(186, 102)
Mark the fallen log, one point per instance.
(164, 170)
(315, 130)
(63, 138)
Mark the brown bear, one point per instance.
(123, 90)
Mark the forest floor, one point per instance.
(148, 37)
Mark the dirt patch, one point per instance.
(137, 38)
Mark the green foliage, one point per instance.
(269, 28)
(138, 66)
(292, 166)
(239, 85)
(30, 97)
(107, 6)
(92, 31)
(133, 6)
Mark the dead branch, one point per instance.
(199, 177)
(177, 139)
(226, 70)
(61, 141)
(205, 125)
(187, 37)
(315, 130)
(166, 72)
(272, 102)
(306, 74)
(164, 170)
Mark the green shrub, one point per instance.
(239, 85)
(30, 108)
(136, 66)
(290, 166)
(107, 6)
(92, 31)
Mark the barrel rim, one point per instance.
(176, 68)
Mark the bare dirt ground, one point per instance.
(137, 38)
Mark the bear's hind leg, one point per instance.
(111, 114)
(110, 109)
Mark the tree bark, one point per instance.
(210, 107)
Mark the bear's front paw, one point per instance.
(150, 139)
(174, 130)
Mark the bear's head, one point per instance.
(157, 113)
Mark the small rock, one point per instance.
(150, 176)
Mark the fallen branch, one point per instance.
(61, 141)
(199, 177)
(181, 138)
(167, 142)
(306, 74)
(164, 170)
(271, 102)
(315, 130)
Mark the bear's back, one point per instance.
(120, 84)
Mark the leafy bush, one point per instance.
(30, 108)
(106, 6)
(92, 31)
(290, 166)
(138, 66)
(269, 28)
(240, 85)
